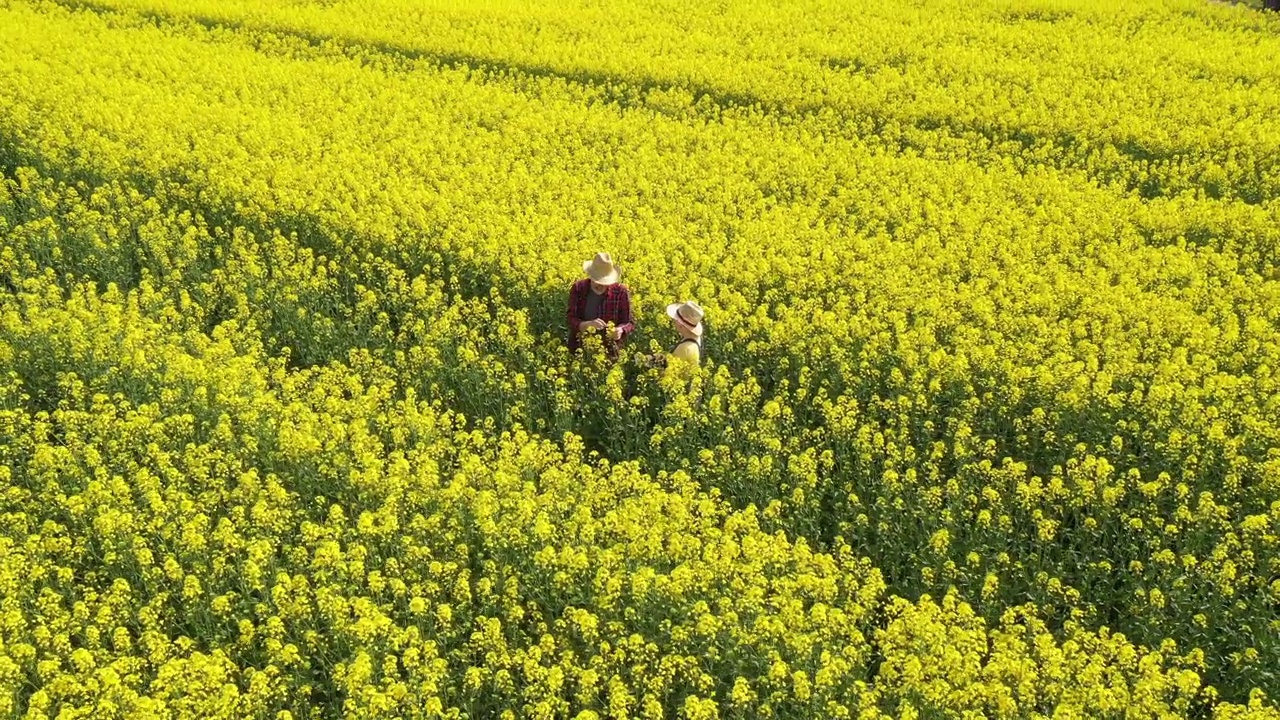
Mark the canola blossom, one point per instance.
(988, 425)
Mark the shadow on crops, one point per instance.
(314, 331)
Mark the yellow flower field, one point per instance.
(990, 425)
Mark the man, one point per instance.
(597, 301)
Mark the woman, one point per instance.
(597, 301)
(687, 319)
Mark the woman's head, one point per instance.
(687, 318)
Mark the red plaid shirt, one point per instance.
(616, 309)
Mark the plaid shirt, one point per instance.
(616, 309)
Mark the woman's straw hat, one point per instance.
(602, 269)
(688, 314)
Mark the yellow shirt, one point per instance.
(688, 351)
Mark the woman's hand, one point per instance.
(655, 360)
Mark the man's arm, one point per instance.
(624, 322)
(577, 300)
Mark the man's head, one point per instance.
(602, 270)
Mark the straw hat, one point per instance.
(602, 269)
(689, 314)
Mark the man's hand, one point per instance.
(586, 325)
(617, 333)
